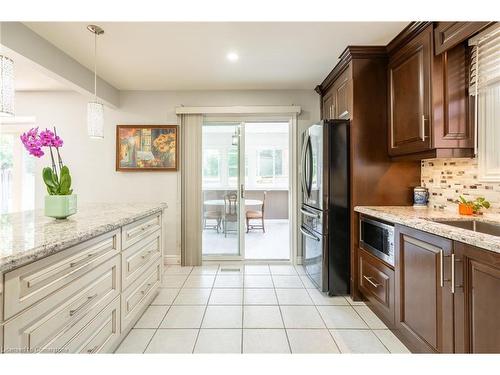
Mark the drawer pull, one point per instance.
(89, 299)
(369, 279)
(73, 264)
(93, 350)
(147, 288)
(147, 254)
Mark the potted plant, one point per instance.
(466, 207)
(60, 201)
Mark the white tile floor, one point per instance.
(235, 308)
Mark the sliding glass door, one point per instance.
(246, 190)
(221, 194)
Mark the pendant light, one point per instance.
(7, 90)
(95, 110)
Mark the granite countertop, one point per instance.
(422, 218)
(29, 235)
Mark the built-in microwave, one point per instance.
(377, 237)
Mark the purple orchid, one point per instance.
(50, 139)
(32, 142)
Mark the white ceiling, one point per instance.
(192, 56)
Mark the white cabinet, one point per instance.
(49, 324)
(33, 282)
(86, 298)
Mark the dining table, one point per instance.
(220, 202)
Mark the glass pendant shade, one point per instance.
(7, 90)
(95, 120)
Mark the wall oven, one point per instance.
(377, 237)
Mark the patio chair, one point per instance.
(256, 215)
(230, 214)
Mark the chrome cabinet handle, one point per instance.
(369, 279)
(441, 267)
(89, 299)
(310, 214)
(147, 253)
(146, 289)
(453, 273)
(422, 128)
(93, 350)
(307, 234)
(73, 264)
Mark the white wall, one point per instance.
(92, 162)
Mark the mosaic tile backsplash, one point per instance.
(446, 179)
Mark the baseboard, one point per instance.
(171, 259)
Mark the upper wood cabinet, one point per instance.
(410, 96)
(337, 98)
(428, 97)
(449, 34)
(477, 300)
(424, 300)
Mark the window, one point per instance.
(270, 164)
(232, 162)
(211, 165)
(485, 87)
(17, 171)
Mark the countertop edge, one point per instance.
(480, 240)
(8, 263)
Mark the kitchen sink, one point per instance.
(474, 225)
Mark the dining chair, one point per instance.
(211, 215)
(230, 214)
(257, 215)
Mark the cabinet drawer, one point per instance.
(35, 281)
(134, 232)
(43, 327)
(376, 282)
(139, 257)
(101, 334)
(137, 297)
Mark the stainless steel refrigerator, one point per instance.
(325, 208)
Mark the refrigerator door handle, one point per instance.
(303, 165)
(310, 214)
(311, 164)
(308, 234)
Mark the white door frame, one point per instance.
(273, 115)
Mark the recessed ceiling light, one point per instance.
(232, 56)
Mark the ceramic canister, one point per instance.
(420, 196)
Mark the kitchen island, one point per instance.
(77, 285)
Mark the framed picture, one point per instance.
(146, 147)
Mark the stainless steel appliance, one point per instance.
(377, 237)
(325, 205)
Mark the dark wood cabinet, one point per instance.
(376, 282)
(449, 34)
(424, 300)
(452, 125)
(429, 113)
(477, 300)
(355, 87)
(337, 98)
(327, 106)
(410, 96)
